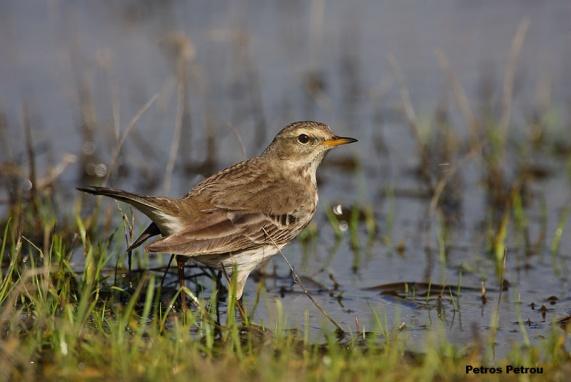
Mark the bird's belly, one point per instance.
(245, 259)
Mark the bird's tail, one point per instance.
(158, 209)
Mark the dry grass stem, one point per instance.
(126, 133)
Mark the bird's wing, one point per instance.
(230, 231)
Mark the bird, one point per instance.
(244, 214)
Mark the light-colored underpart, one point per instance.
(243, 263)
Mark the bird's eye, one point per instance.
(303, 138)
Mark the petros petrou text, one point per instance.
(508, 369)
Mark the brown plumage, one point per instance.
(243, 214)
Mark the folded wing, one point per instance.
(230, 232)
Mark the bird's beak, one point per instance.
(336, 141)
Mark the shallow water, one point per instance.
(264, 64)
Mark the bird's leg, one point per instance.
(150, 231)
(180, 260)
(242, 310)
(218, 299)
(166, 271)
(241, 277)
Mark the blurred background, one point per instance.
(86, 68)
(461, 109)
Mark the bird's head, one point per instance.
(302, 144)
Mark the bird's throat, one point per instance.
(309, 172)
